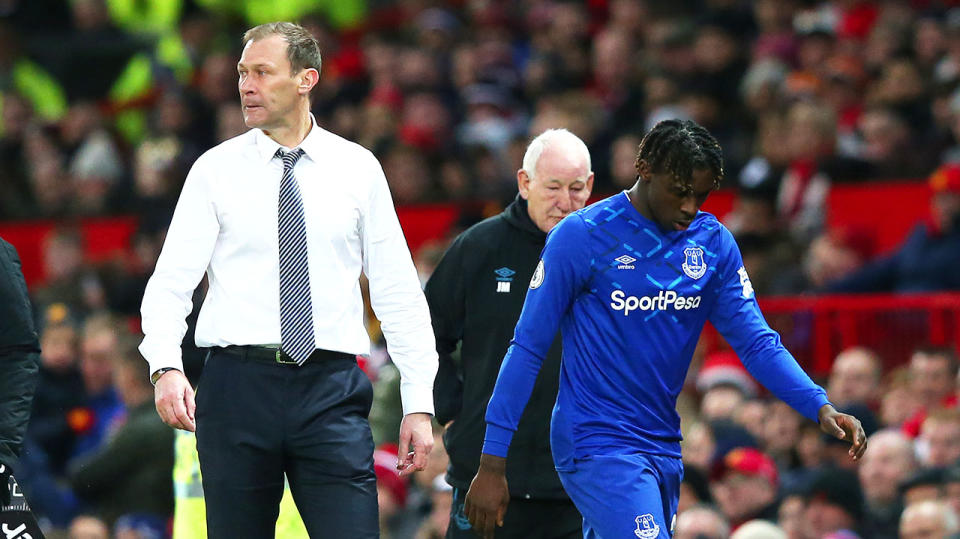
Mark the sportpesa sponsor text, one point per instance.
(664, 300)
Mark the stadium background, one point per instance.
(840, 122)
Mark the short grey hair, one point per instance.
(548, 137)
(303, 51)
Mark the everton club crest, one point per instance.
(647, 527)
(693, 264)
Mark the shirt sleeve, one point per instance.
(737, 316)
(396, 296)
(183, 260)
(559, 277)
(445, 293)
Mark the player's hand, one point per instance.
(844, 427)
(175, 400)
(416, 442)
(487, 499)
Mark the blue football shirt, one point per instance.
(631, 301)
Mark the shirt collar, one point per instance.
(267, 147)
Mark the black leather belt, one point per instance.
(275, 355)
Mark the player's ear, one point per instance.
(643, 170)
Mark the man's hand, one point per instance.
(487, 499)
(843, 427)
(416, 442)
(175, 400)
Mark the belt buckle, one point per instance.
(284, 359)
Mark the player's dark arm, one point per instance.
(445, 296)
(19, 355)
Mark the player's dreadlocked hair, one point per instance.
(679, 147)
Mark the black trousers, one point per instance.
(258, 420)
(525, 519)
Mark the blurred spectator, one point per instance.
(938, 445)
(927, 520)
(810, 137)
(94, 163)
(59, 392)
(781, 431)
(924, 484)
(720, 402)
(698, 447)
(916, 265)
(88, 527)
(694, 489)
(701, 522)
(889, 146)
(102, 409)
(768, 252)
(759, 529)
(131, 472)
(855, 377)
(834, 502)
(898, 402)
(69, 280)
(933, 380)
(790, 516)
(751, 415)
(888, 463)
(833, 255)
(746, 486)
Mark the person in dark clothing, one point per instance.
(19, 359)
(475, 297)
(922, 262)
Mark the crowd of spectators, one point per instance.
(104, 106)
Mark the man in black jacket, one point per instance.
(475, 297)
(19, 361)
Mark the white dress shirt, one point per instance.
(225, 224)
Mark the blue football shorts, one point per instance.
(625, 495)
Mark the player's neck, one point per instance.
(638, 198)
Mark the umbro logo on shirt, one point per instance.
(626, 262)
(504, 278)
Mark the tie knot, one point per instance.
(289, 158)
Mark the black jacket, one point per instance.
(475, 297)
(19, 354)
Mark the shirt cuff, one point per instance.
(817, 403)
(159, 355)
(497, 441)
(416, 399)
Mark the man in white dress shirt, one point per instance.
(283, 219)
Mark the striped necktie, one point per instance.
(296, 308)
